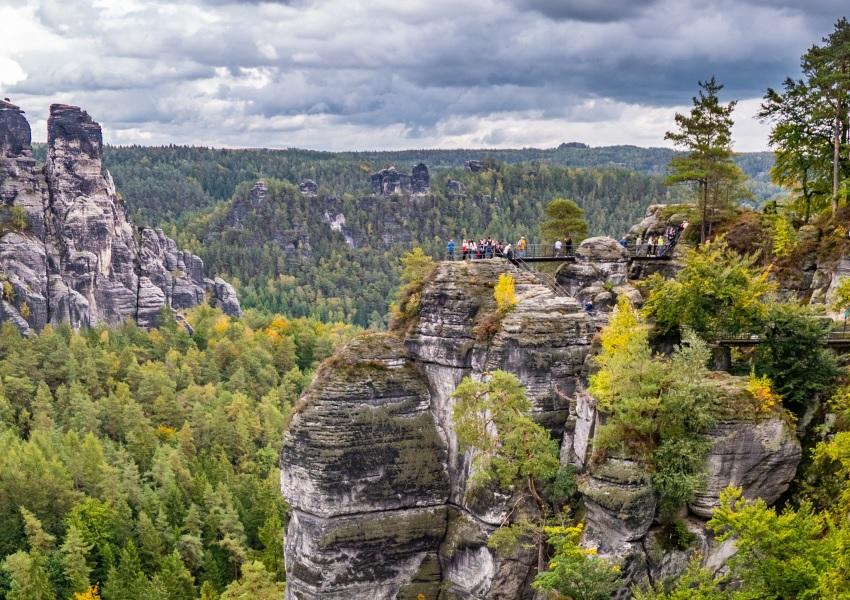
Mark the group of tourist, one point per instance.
(657, 245)
(486, 248)
(645, 244)
(489, 248)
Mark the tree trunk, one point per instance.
(836, 156)
(703, 230)
(807, 197)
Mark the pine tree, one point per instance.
(828, 70)
(173, 581)
(126, 581)
(564, 218)
(706, 134)
(74, 558)
(27, 576)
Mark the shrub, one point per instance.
(416, 268)
(505, 293)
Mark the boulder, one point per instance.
(620, 503)
(601, 249)
(760, 457)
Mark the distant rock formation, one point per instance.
(308, 187)
(475, 166)
(68, 252)
(390, 181)
(455, 188)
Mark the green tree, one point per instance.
(493, 417)
(717, 292)
(827, 68)
(800, 136)
(779, 555)
(28, 576)
(706, 134)
(563, 218)
(173, 581)
(74, 557)
(793, 356)
(784, 237)
(127, 580)
(416, 268)
(576, 572)
(656, 410)
(255, 584)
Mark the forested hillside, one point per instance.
(161, 183)
(336, 258)
(147, 460)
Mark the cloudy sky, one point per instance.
(386, 74)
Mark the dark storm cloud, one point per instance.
(587, 10)
(336, 72)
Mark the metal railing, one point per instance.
(830, 337)
(547, 279)
(548, 251)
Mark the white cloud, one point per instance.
(344, 74)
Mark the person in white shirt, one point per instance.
(558, 247)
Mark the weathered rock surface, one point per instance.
(77, 258)
(599, 274)
(376, 438)
(379, 486)
(759, 457)
(390, 181)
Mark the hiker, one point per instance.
(650, 245)
(557, 247)
(568, 245)
(464, 248)
(508, 252)
(638, 244)
(451, 248)
(623, 242)
(472, 249)
(588, 307)
(660, 245)
(520, 247)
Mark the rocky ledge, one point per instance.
(68, 252)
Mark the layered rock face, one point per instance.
(377, 484)
(68, 253)
(371, 466)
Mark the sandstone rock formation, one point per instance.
(377, 485)
(373, 450)
(68, 253)
(389, 181)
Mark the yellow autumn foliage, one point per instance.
(505, 292)
(93, 593)
(762, 390)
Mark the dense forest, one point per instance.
(147, 461)
(336, 258)
(162, 183)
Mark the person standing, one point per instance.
(638, 244)
(520, 247)
(451, 248)
(508, 251)
(557, 247)
(568, 246)
(464, 248)
(650, 245)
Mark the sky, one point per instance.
(383, 74)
